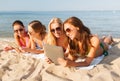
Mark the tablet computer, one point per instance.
(53, 52)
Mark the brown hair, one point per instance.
(38, 27)
(85, 34)
(18, 22)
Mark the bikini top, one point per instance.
(38, 47)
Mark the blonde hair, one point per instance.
(51, 39)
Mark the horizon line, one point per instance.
(50, 10)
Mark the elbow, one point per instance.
(88, 63)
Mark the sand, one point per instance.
(18, 67)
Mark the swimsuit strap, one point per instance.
(104, 51)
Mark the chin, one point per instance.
(71, 38)
(57, 36)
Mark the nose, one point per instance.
(67, 33)
(56, 31)
(19, 32)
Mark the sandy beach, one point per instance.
(18, 67)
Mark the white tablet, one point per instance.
(53, 52)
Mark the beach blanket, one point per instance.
(96, 61)
(42, 56)
(91, 66)
(38, 56)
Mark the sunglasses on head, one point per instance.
(16, 31)
(56, 29)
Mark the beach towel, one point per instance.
(96, 61)
(37, 56)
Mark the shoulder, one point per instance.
(95, 40)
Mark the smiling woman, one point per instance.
(20, 35)
(37, 33)
(56, 35)
(88, 46)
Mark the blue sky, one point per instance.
(58, 5)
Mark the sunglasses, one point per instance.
(56, 29)
(16, 31)
(68, 30)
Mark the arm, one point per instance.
(36, 51)
(33, 48)
(17, 39)
(91, 55)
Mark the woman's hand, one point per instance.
(25, 49)
(66, 62)
(7, 48)
(62, 61)
(48, 60)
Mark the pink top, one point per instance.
(26, 42)
(22, 44)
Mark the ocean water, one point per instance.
(99, 22)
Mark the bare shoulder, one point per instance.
(95, 40)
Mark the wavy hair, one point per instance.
(85, 35)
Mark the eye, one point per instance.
(20, 30)
(68, 30)
(56, 29)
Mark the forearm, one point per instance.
(76, 64)
(35, 51)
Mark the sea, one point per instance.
(102, 23)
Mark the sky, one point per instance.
(58, 5)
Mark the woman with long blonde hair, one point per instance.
(56, 34)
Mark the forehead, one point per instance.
(17, 27)
(67, 25)
(55, 25)
(30, 28)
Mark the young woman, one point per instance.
(37, 33)
(20, 35)
(85, 44)
(56, 34)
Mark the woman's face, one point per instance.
(71, 31)
(56, 30)
(19, 30)
(31, 32)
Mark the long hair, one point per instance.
(84, 32)
(51, 39)
(38, 27)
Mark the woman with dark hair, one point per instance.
(84, 44)
(20, 35)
